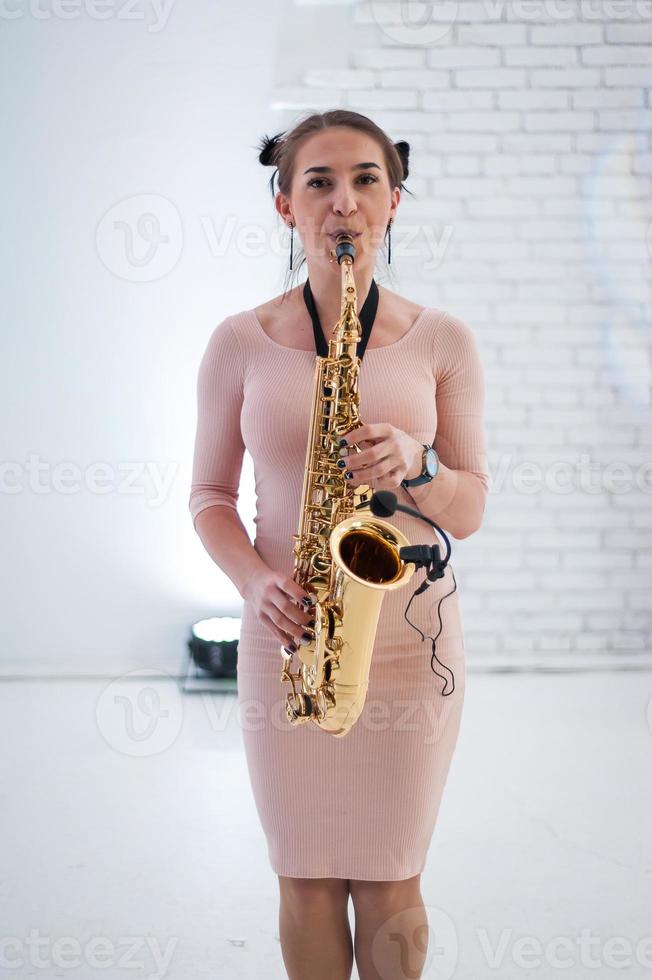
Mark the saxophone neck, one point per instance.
(349, 303)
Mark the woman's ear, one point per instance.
(283, 207)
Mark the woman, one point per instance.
(353, 815)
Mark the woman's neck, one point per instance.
(326, 289)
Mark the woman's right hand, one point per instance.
(276, 598)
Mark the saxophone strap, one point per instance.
(366, 316)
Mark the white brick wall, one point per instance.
(530, 127)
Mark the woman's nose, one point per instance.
(344, 203)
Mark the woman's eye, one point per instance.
(311, 183)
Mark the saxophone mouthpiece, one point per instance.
(344, 246)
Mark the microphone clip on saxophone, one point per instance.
(425, 556)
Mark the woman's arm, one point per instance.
(225, 538)
(217, 461)
(456, 498)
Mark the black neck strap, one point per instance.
(367, 315)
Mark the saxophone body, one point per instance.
(347, 559)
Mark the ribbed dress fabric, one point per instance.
(363, 806)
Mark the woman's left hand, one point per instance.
(392, 456)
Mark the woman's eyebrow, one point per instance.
(328, 170)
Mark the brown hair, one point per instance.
(280, 151)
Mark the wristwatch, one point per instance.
(429, 468)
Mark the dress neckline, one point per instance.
(370, 350)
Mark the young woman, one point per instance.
(349, 816)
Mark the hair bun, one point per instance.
(269, 147)
(403, 150)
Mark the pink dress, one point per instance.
(363, 806)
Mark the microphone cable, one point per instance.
(383, 503)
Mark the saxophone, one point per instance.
(347, 562)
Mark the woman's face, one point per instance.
(345, 195)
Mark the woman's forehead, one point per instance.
(336, 147)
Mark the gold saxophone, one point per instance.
(347, 562)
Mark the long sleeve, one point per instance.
(460, 440)
(219, 447)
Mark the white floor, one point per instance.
(130, 834)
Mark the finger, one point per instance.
(289, 620)
(300, 618)
(283, 638)
(376, 472)
(355, 463)
(291, 639)
(295, 594)
(288, 625)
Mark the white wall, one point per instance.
(102, 332)
(531, 168)
(530, 128)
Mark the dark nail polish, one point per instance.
(348, 475)
(291, 648)
(343, 442)
(341, 463)
(307, 636)
(311, 624)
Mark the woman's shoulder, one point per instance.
(223, 345)
(272, 315)
(454, 343)
(449, 335)
(233, 328)
(440, 318)
(406, 311)
(454, 327)
(400, 308)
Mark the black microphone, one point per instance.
(383, 503)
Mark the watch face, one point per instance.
(432, 464)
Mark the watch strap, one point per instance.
(424, 476)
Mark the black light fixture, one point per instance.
(213, 650)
